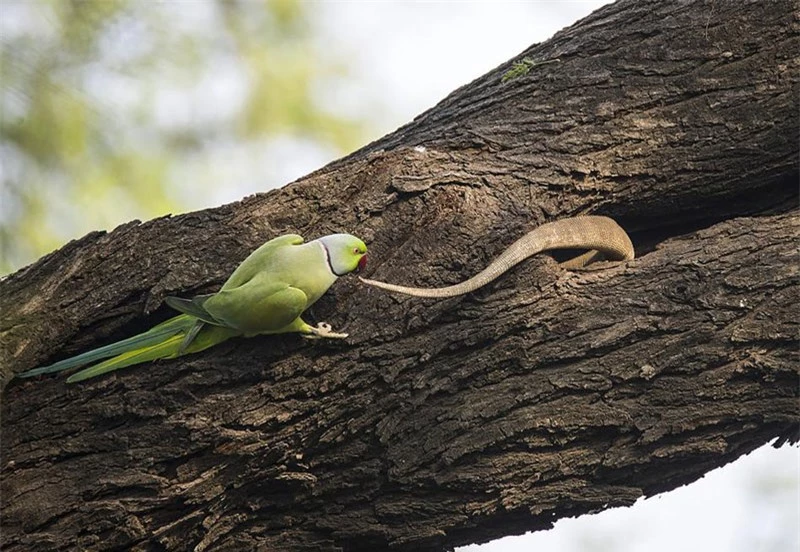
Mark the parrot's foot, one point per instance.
(323, 330)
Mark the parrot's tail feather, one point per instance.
(190, 335)
(192, 307)
(177, 325)
(166, 349)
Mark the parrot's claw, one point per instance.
(323, 330)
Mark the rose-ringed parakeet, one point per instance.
(266, 294)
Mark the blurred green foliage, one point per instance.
(120, 109)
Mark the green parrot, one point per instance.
(266, 294)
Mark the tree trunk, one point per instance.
(439, 423)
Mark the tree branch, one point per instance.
(546, 394)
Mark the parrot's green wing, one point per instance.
(251, 300)
(260, 260)
(258, 306)
(246, 288)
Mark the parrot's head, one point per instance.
(346, 253)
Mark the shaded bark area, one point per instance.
(438, 423)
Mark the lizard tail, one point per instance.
(594, 233)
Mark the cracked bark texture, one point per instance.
(546, 394)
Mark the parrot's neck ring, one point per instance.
(328, 259)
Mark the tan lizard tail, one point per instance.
(597, 234)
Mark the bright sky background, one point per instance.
(405, 57)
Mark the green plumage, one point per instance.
(266, 294)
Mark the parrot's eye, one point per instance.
(356, 251)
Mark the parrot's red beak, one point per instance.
(362, 262)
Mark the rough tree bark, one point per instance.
(438, 423)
